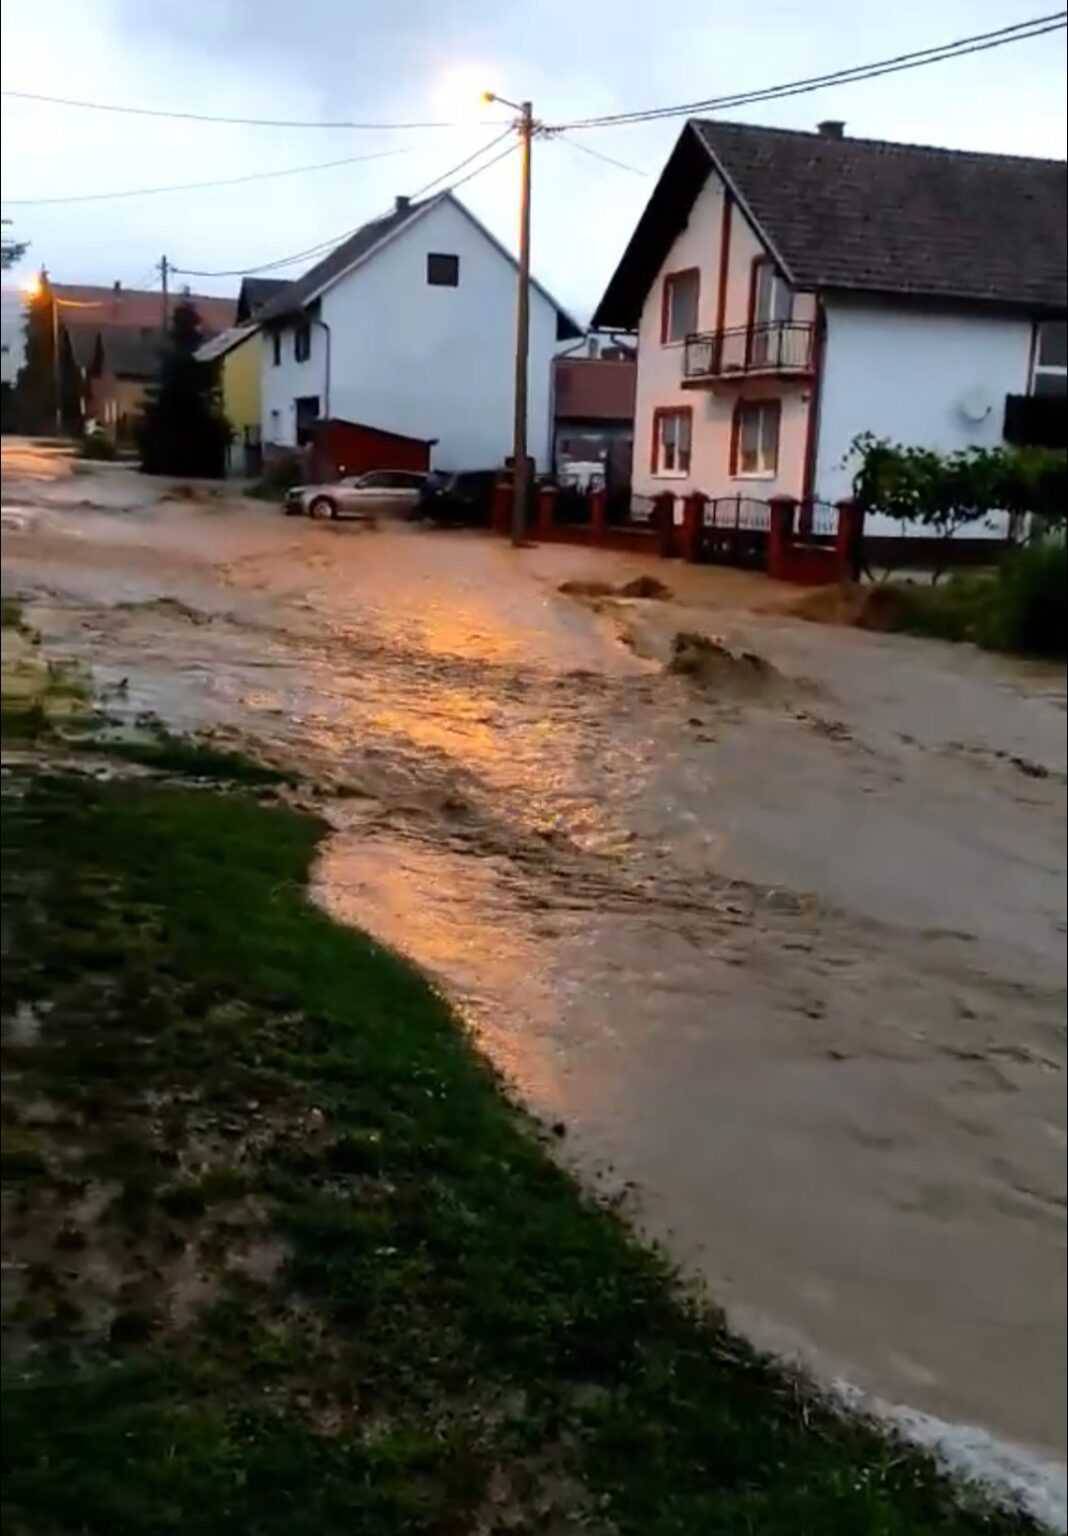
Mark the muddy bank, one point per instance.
(790, 965)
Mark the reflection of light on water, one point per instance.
(452, 915)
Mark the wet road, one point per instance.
(786, 954)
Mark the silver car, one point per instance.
(378, 492)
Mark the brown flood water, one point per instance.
(787, 959)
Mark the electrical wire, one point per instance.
(197, 186)
(978, 43)
(562, 138)
(206, 117)
(328, 245)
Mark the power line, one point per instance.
(562, 138)
(206, 117)
(197, 186)
(978, 43)
(328, 245)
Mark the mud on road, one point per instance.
(785, 954)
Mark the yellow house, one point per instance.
(237, 352)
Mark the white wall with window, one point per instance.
(917, 375)
(683, 438)
(422, 342)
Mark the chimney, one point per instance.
(831, 128)
(402, 204)
(117, 287)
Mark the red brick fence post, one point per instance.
(502, 506)
(598, 516)
(545, 515)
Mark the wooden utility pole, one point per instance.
(165, 302)
(520, 463)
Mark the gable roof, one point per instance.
(365, 241)
(218, 346)
(255, 292)
(865, 215)
(135, 308)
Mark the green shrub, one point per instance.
(1029, 612)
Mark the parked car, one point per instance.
(461, 499)
(367, 495)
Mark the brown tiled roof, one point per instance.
(595, 388)
(866, 215)
(137, 308)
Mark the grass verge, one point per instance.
(284, 1258)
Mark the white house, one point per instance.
(408, 327)
(792, 290)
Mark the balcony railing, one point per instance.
(773, 346)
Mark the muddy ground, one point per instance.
(780, 944)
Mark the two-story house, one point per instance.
(792, 290)
(408, 327)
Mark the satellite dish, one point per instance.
(976, 405)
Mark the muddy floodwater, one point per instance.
(782, 946)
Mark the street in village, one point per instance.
(778, 948)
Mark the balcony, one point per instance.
(782, 348)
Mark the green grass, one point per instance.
(451, 1311)
(188, 758)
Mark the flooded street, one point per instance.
(782, 947)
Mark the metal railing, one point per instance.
(741, 512)
(772, 346)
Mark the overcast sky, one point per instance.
(413, 59)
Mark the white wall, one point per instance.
(427, 361)
(907, 374)
(660, 366)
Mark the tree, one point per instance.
(35, 386)
(182, 430)
(11, 251)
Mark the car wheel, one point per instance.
(322, 506)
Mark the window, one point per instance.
(1051, 359)
(672, 431)
(442, 271)
(276, 348)
(755, 440)
(678, 315)
(302, 342)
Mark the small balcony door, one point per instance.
(773, 302)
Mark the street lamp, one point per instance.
(34, 287)
(520, 465)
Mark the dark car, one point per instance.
(458, 500)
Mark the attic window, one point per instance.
(442, 271)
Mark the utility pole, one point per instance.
(165, 303)
(520, 461)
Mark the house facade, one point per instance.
(794, 290)
(236, 353)
(112, 343)
(409, 327)
(593, 411)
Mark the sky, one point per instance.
(416, 60)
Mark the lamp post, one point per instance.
(520, 462)
(34, 289)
